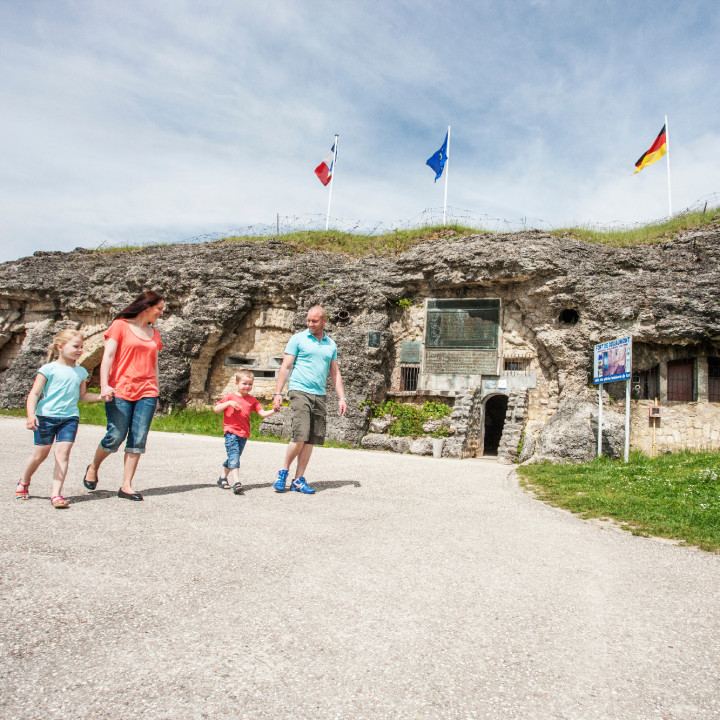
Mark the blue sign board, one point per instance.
(612, 361)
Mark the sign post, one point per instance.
(612, 362)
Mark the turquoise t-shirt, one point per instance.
(62, 390)
(312, 362)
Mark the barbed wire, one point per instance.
(288, 224)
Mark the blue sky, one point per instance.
(145, 122)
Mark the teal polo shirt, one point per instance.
(312, 362)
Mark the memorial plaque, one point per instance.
(469, 362)
(462, 324)
(410, 352)
(374, 339)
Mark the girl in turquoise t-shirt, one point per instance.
(54, 417)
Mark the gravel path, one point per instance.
(407, 587)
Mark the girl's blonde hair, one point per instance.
(61, 338)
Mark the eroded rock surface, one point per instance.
(223, 294)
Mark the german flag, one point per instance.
(656, 151)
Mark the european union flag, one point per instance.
(438, 160)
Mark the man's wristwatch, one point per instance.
(274, 394)
(342, 400)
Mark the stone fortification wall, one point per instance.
(235, 302)
(693, 425)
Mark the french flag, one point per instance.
(324, 170)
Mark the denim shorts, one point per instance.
(234, 445)
(55, 428)
(307, 417)
(131, 419)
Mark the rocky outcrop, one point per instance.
(571, 434)
(219, 294)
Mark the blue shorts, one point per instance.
(234, 445)
(128, 419)
(55, 428)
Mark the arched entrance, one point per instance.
(495, 409)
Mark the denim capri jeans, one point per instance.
(128, 419)
(234, 445)
(50, 429)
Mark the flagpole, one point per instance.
(332, 180)
(447, 171)
(667, 154)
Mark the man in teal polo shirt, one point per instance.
(309, 356)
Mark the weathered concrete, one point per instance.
(407, 587)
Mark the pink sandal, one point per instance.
(24, 493)
(58, 501)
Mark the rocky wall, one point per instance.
(230, 298)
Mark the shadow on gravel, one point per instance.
(320, 485)
(257, 486)
(150, 492)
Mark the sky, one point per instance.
(140, 122)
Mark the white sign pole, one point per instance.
(599, 449)
(627, 420)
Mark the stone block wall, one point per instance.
(515, 419)
(692, 426)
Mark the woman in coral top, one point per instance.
(129, 385)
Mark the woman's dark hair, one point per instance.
(142, 302)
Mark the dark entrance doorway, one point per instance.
(495, 409)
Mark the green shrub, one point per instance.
(409, 418)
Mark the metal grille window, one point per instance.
(409, 377)
(646, 383)
(516, 366)
(714, 379)
(680, 378)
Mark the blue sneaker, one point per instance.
(281, 480)
(299, 485)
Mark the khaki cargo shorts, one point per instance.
(307, 414)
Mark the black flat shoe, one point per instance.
(129, 496)
(90, 485)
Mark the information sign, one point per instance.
(612, 361)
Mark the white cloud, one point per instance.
(137, 122)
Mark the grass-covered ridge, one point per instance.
(645, 234)
(673, 496)
(359, 245)
(398, 241)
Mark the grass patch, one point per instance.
(653, 233)
(190, 421)
(357, 245)
(674, 496)
(128, 248)
(398, 241)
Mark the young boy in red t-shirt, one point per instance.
(237, 407)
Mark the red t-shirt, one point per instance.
(235, 421)
(133, 370)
